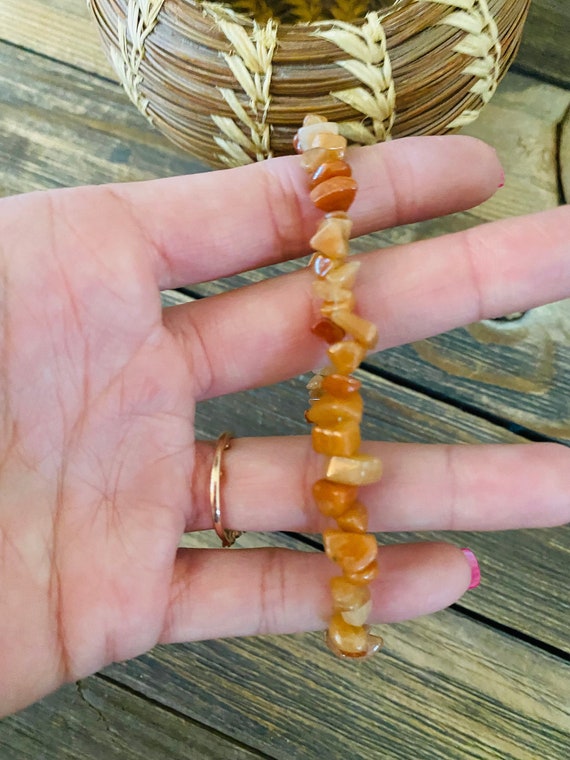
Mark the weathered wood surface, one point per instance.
(544, 50)
(445, 689)
(99, 720)
(60, 29)
(456, 685)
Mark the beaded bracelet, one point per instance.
(336, 404)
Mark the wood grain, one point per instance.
(98, 720)
(61, 127)
(60, 29)
(544, 49)
(446, 689)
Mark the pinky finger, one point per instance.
(218, 593)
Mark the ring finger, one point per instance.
(267, 486)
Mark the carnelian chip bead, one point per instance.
(332, 499)
(358, 470)
(321, 264)
(330, 169)
(340, 386)
(321, 134)
(351, 551)
(346, 355)
(358, 616)
(345, 301)
(312, 159)
(341, 439)
(346, 639)
(332, 236)
(329, 139)
(366, 575)
(344, 275)
(362, 330)
(327, 330)
(347, 595)
(332, 292)
(335, 194)
(330, 409)
(354, 520)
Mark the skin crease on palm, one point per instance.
(99, 471)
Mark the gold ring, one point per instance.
(227, 537)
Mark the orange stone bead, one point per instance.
(316, 382)
(344, 275)
(332, 499)
(347, 595)
(335, 194)
(362, 330)
(327, 330)
(321, 265)
(329, 139)
(358, 470)
(331, 292)
(345, 300)
(332, 236)
(346, 639)
(341, 439)
(330, 409)
(315, 136)
(313, 158)
(355, 519)
(330, 169)
(358, 616)
(346, 356)
(340, 386)
(352, 551)
(365, 576)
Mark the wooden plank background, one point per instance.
(487, 679)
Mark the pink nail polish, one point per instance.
(475, 569)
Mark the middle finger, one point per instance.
(260, 334)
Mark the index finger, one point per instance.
(219, 223)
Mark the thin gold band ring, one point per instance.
(227, 537)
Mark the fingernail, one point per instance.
(502, 182)
(475, 569)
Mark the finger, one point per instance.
(215, 224)
(268, 483)
(260, 334)
(246, 592)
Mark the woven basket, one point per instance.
(232, 87)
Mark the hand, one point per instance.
(99, 471)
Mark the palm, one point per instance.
(99, 406)
(99, 471)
